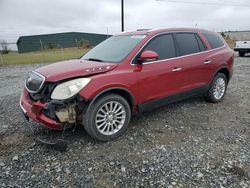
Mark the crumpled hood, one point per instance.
(73, 68)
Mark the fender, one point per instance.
(223, 66)
(115, 88)
(100, 91)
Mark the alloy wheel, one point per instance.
(110, 118)
(219, 88)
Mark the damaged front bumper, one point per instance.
(54, 115)
(34, 110)
(57, 144)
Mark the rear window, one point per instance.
(187, 43)
(213, 40)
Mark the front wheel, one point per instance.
(217, 89)
(107, 118)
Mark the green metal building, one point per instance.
(58, 40)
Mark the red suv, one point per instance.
(128, 73)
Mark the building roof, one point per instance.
(33, 43)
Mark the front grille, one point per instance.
(44, 94)
(34, 82)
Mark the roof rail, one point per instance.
(143, 29)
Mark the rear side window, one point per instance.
(213, 40)
(163, 45)
(187, 43)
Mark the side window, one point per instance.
(201, 44)
(187, 43)
(163, 45)
(213, 40)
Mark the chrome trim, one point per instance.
(176, 69)
(21, 106)
(38, 74)
(159, 61)
(207, 62)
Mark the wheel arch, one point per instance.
(125, 93)
(224, 71)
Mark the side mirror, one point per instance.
(148, 55)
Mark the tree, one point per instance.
(84, 43)
(223, 35)
(4, 47)
(51, 46)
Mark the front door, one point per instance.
(161, 78)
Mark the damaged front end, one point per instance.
(67, 112)
(57, 101)
(51, 113)
(54, 115)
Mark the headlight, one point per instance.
(69, 88)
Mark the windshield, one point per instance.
(114, 49)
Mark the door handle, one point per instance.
(207, 62)
(176, 69)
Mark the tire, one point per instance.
(217, 89)
(241, 54)
(107, 118)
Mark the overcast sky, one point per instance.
(30, 17)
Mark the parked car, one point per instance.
(128, 73)
(242, 47)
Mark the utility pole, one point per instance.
(76, 43)
(122, 14)
(107, 32)
(42, 52)
(41, 43)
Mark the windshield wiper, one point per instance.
(94, 59)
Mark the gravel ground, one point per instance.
(188, 144)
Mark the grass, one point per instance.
(46, 56)
(231, 42)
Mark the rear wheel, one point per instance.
(241, 54)
(107, 118)
(217, 89)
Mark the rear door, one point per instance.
(215, 56)
(192, 60)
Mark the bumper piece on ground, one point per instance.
(57, 144)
